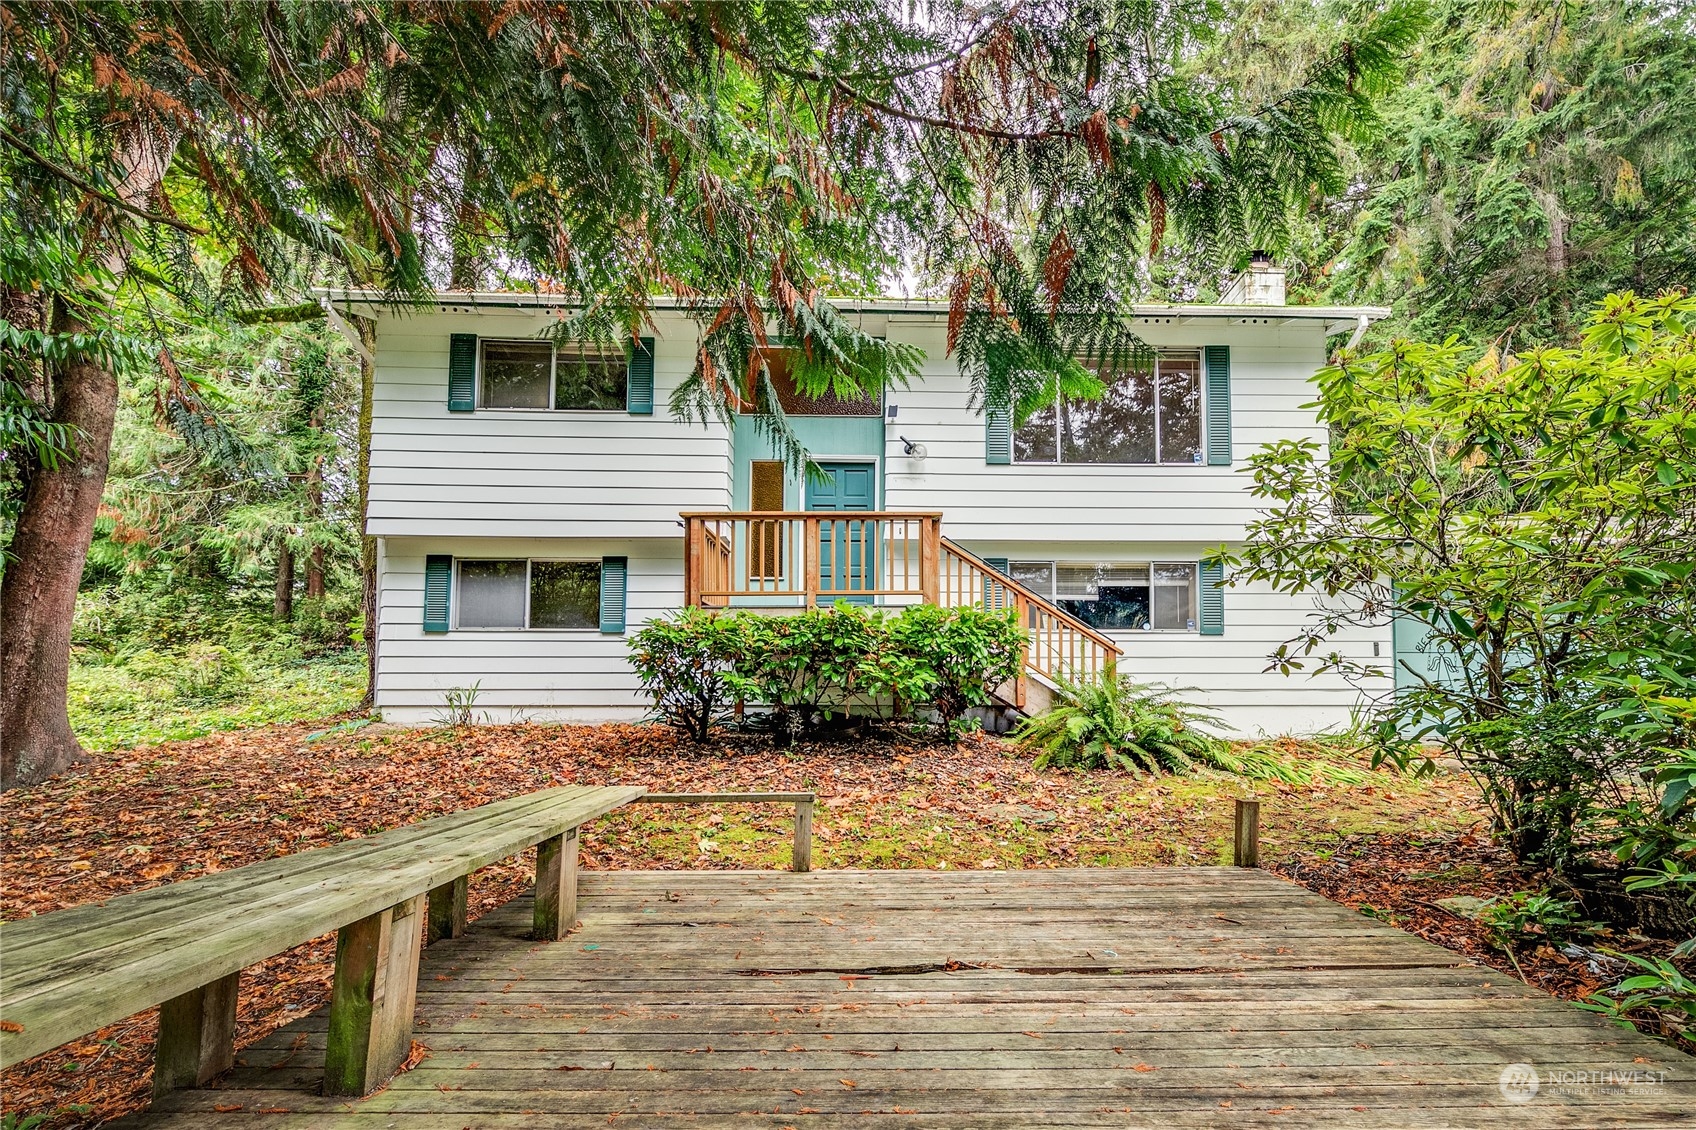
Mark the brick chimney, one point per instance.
(1261, 285)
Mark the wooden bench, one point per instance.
(183, 946)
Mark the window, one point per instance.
(1150, 415)
(590, 378)
(1119, 596)
(536, 375)
(533, 594)
(517, 374)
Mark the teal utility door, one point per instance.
(848, 548)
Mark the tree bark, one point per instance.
(38, 597)
(315, 573)
(282, 604)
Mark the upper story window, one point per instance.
(540, 375)
(1151, 414)
(1116, 595)
(529, 594)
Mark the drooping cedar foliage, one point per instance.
(756, 159)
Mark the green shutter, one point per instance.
(1212, 598)
(438, 581)
(462, 372)
(998, 432)
(639, 388)
(1218, 363)
(614, 585)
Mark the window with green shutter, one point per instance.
(998, 432)
(1217, 361)
(462, 372)
(615, 573)
(1212, 598)
(639, 390)
(438, 584)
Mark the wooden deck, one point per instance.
(1194, 997)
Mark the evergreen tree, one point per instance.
(756, 158)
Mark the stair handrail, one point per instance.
(1035, 598)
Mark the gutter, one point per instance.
(532, 300)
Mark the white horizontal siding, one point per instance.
(530, 474)
(584, 675)
(590, 484)
(1226, 674)
(1270, 367)
(543, 675)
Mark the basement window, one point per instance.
(1116, 596)
(518, 594)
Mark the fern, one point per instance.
(1120, 724)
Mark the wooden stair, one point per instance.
(788, 560)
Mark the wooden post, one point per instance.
(372, 998)
(1023, 613)
(930, 558)
(801, 855)
(813, 551)
(556, 887)
(447, 911)
(197, 1036)
(692, 532)
(1246, 851)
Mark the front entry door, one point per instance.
(847, 548)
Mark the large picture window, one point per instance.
(529, 594)
(1116, 595)
(1151, 414)
(539, 375)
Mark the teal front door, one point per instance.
(847, 548)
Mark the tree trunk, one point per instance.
(282, 604)
(315, 573)
(39, 594)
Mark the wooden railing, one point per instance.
(804, 559)
(808, 558)
(1058, 644)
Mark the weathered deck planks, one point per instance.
(1158, 997)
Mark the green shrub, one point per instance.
(1525, 917)
(1114, 723)
(815, 668)
(1660, 999)
(210, 672)
(807, 669)
(948, 659)
(685, 665)
(327, 623)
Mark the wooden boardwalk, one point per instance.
(1193, 997)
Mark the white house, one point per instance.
(528, 504)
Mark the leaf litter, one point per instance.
(136, 818)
